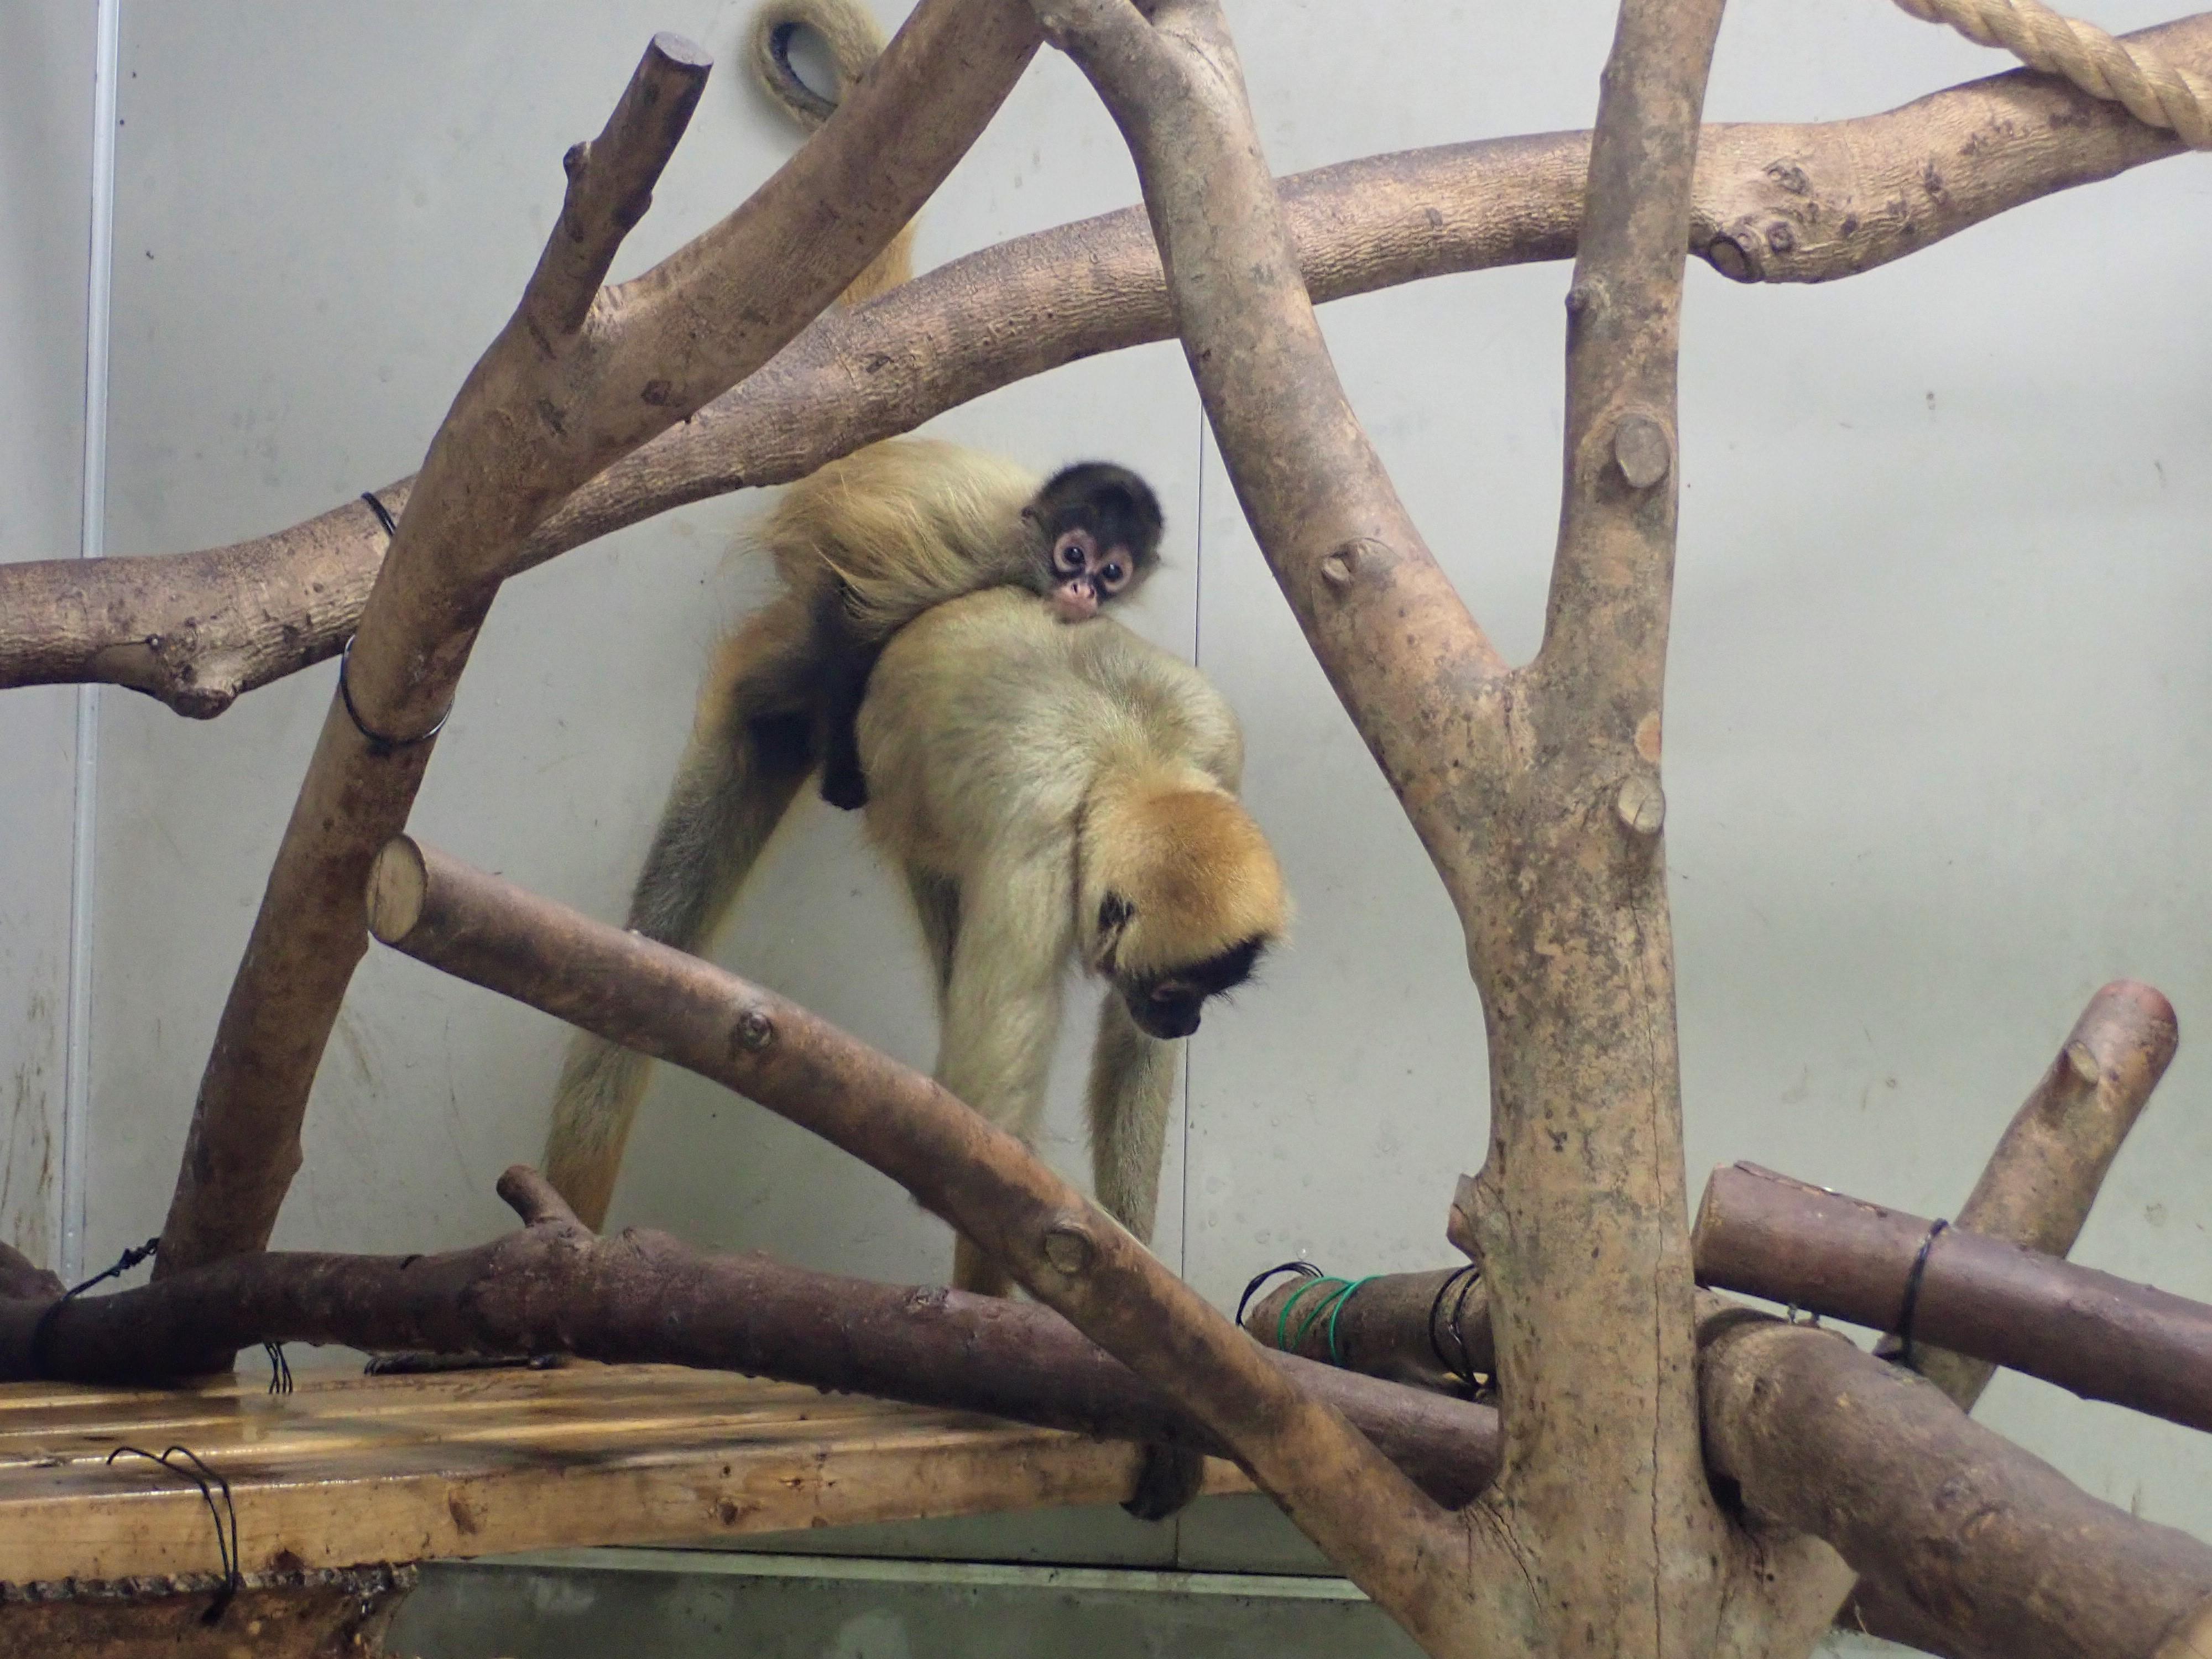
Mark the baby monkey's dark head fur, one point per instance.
(1099, 527)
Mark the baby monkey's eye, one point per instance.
(1072, 552)
(1113, 575)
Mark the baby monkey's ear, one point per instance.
(1031, 516)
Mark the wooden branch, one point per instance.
(579, 377)
(1403, 654)
(2037, 1189)
(645, 1297)
(2035, 1192)
(2000, 1551)
(1067, 1251)
(1772, 204)
(1430, 1330)
(1405, 658)
(2098, 1336)
(1564, 902)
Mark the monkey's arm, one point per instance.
(751, 750)
(844, 687)
(1131, 1094)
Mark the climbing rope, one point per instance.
(2157, 92)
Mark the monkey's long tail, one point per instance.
(854, 42)
(750, 751)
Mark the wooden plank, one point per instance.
(351, 1469)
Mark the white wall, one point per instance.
(45, 205)
(1937, 757)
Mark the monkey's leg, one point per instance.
(1001, 1012)
(749, 751)
(1131, 1094)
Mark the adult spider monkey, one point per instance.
(1052, 791)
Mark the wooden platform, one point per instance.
(349, 1470)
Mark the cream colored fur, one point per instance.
(904, 524)
(1002, 747)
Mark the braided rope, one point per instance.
(2157, 92)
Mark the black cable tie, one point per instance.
(1911, 1305)
(1466, 1278)
(206, 1479)
(123, 1263)
(383, 513)
(379, 744)
(1304, 1269)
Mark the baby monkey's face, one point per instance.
(1085, 574)
(1098, 527)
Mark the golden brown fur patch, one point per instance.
(1200, 875)
(904, 524)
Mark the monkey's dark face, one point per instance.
(1102, 526)
(1168, 1006)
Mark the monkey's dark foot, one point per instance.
(414, 1362)
(1169, 1479)
(847, 789)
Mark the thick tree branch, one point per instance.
(579, 377)
(2100, 1337)
(1563, 896)
(2000, 1551)
(1067, 1251)
(644, 1297)
(1771, 203)
(2036, 1190)
(1405, 657)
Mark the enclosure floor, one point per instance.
(348, 1470)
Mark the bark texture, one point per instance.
(579, 377)
(1783, 204)
(1995, 1547)
(642, 1296)
(1068, 1253)
(1431, 1330)
(2100, 1337)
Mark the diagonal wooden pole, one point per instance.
(579, 377)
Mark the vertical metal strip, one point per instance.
(76, 1084)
